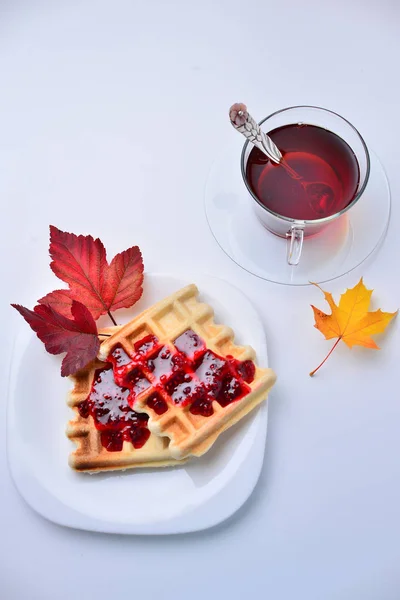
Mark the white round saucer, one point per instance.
(338, 249)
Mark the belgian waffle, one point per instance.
(90, 454)
(165, 322)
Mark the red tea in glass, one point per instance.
(321, 160)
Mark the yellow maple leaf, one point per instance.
(351, 321)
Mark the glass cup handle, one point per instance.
(294, 239)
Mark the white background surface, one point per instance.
(110, 114)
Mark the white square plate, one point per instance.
(200, 494)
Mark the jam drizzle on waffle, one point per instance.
(188, 374)
(108, 404)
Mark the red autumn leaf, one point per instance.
(60, 300)
(78, 337)
(125, 279)
(81, 262)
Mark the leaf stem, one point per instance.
(326, 357)
(112, 318)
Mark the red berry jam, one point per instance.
(210, 370)
(202, 406)
(157, 403)
(84, 409)
(122, 365)
(146, 345)
(112, 440)
(232, 389)
(121, 358)
(245, 369)
(189, 344)
(137, 381)
(161, 364)
(187, 374)
(183, 388)
(112, 415)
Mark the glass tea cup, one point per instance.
(344, 138)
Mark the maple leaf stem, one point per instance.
(112, 318)
(326, 357)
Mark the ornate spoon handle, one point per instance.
(243, 122)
